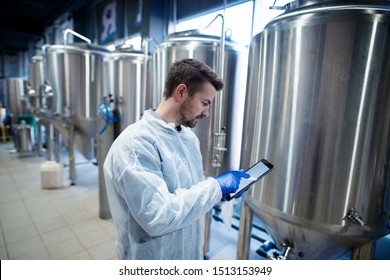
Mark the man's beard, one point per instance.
(184, 120)
(191, 123)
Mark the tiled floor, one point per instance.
(64, 223)
(41, 223)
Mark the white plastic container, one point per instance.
(51, 175)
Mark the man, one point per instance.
(157, 192)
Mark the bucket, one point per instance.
(51, 175)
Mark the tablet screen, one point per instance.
(256, 171)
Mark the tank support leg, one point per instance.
(72, 161)
(48, 141)
(57, 141)
(104, 142)
(38, 146)
(364, 252)
(206, 245)
(245, 231)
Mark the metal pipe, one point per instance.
(221, 58)
(67, 31)
(219, 130)
(274, 7)
(125, 22)
(174, 15)
(145, 45)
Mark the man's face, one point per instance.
(197, 106)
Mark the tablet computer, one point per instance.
(257, 171)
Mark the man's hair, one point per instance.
(193, 73)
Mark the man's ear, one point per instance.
(181, 92)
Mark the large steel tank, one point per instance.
(317, 106)
(127, 96)
(128, 79)
(208, 49)
(75, 73)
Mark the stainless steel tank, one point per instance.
(75, 73)
(208, 49)
(15, 91)
(128, 79)
(317, 106)
(35, 80)
(23, 138)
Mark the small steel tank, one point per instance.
(35, 81)
(16, 104)
(317, 106)
(220, 148)
(75, 73)
(23, 138)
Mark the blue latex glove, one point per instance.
(230, 180)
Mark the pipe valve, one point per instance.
(283, 255)
(355, 218)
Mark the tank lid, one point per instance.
(37, 58)
(89, 47)
(191, 32)
(127, 51)
(297, 4)
(195, 33)
(126, 48)
(80, 46)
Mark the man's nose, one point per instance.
(205, 113)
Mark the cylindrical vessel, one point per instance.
(317, 106)
(35, 80)
(24, 135)
(207, 49)
(75, 73)
(15, 90)
(54, 75)
(126, 76)
(128, 83)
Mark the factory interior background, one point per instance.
(306, 88)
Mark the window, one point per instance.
(238, 23)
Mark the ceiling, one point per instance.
(23, 21)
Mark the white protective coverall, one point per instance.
(157, 191)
